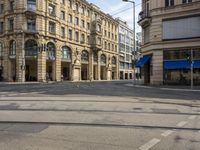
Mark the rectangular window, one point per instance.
(169, 3)
(76, 21)
(181, 28)
(70, 34)
(1, 27)
(31, 25)
(70, 3)
(82, 38)
(62, 1)
(62, 32)
(52, 27)
(76, 36)
(83, 23)
(70, 18)
(1, 8)
(11, 24)
(186, 1)
(12, 5)
(51, 9)
(88, 13)
(31, 5)
(88, 39)
(88, 25)
(146, 35)
(62, 15)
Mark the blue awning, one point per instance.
(143, 60)
(180, 64)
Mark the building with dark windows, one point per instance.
(72, 39)
(126, 47)
(171, 41)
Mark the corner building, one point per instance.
(171, 36)
(57, 39)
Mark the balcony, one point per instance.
(144, 18)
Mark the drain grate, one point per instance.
(157, 110)
(137, 108)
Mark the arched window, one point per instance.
(66, 53)
(51, 51)
(95, 57)
(1, 49)
(103, 59)
(85, 56)
(31, 48)
(12, 48)
(114, 62)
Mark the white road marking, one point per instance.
(149, 144)
(181, 124)
(192, 117)
(167, 133)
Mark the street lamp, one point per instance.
(23, 66)
(133, 37)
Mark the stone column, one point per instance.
(20, 60)
(6, 62)
(117, 68)
(41, 73)
(90, 74)
(157, 66)
(58, 64)
(99, 66)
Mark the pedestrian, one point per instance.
(91, 77)
(62, 77)
(47, 77)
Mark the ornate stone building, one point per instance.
(57, 39)
(171, 41)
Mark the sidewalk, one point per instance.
(166, 87)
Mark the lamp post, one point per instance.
(134, 79)
(23, 57)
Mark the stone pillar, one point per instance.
(41, 73)
(20, 61)
(58, 65)
(117, 68)
(90, 74)
(99, 66)
(76, 66)
(157, 65)
(5, 62)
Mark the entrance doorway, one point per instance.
(66, 73)
(147, 74)
(84, 72)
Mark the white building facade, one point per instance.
(126, 47)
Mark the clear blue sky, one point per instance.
(118, 8)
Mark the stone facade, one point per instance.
(158, 36)
(57, 40)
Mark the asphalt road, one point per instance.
(98, 116)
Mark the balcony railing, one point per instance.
(143, 15)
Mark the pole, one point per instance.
(134, 42)
(191, 68)
(23, 56)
